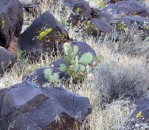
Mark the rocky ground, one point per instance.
(74, 64)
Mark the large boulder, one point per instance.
(98, 27)
(126, 8)
(26, 106)
(44, 35)
(39, 76)
(81, 11)
(7, 60)
(11, 17)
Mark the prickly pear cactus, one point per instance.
(76, 67)
(50, 76)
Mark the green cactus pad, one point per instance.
(47, 73)
(62, 67)
(86, 58)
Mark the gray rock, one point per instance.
(38, 75)
(98, 27)
(44, 35)
(81, 11)
(126, 8)
(25, 106)
(132, 25)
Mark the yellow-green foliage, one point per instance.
(146, 27)
(25, 16)
(78, 9)
(90, 27)
(3, 22)
(102, 4)
(44, 33)
(121, 26)
(139, 114)
(60, 37)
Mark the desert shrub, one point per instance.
(121, 77)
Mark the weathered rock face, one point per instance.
(11, 17)
(126, 8)
(38, 76)
(44, 35)
(77, 10)
(132, 25)
(81, 11)
(98, 13)
(139, 118)
(7, 60)
(103, 23)
(28, 107)
(98, 27)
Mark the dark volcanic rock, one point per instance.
(44, 34)
(139, 118)
(38, 75)
(81, 11)
(2, 93)
(98, 27)
(11, 17)
(126, 8)
(132, 25)
(28, 107)
(7, 60)
(97, 13)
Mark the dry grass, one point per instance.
(115, 113)
(116, 73)
(22, 68)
